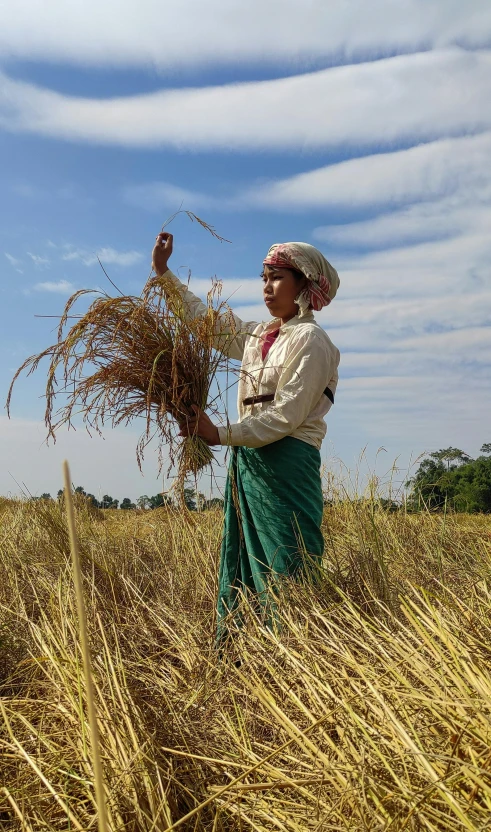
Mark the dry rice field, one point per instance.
(368, 709)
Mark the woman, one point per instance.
(273, 500)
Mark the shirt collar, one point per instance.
(307, 317)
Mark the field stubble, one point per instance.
(370, 709)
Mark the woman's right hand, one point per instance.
(161, 253)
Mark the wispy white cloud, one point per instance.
(470, 345)
(105, 255)
(383, 352)
(459, 266)
(423, 392)
(424, 411)
(88, 259)
(14, 262)
(136, 32)
(410, 97)
(413, 328)
(409, 315)
(444, 186)
(62, 287)
(119, 258)
(422, 221)
(424, 172)
(39, 261)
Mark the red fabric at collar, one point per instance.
(268, 342)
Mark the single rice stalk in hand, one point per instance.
(130, 357)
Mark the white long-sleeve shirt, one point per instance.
(300, 365)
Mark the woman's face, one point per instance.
(280, 288)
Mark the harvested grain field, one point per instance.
(370, 708)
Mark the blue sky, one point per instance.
(362, 128)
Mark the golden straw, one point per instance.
(92, 715)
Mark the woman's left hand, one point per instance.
(200, 425)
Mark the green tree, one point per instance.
(451, 456)
(126, 504)
(108, 502)
(90, 498)
(157, 501)
(46, 496)
(428, 486)
(189, 498)
(471, 486)
(160, 500)
(486, 448)
(451, 478)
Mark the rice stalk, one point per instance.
(87, 666)
(130, 357)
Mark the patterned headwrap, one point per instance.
(323, 279)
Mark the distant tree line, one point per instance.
(195, 501)
(448, 479)
(451, 479)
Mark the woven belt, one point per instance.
(266, 397)
(269, 397)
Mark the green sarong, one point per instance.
(273, 513)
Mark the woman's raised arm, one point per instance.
(231, 331)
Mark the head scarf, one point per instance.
(322, 278)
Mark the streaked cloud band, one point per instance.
(406, 98)
(148, 33)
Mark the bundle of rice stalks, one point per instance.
(130, 357)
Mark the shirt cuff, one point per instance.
(231, 434)
(171, 274)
